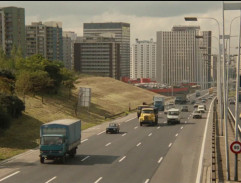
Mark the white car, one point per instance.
(201, 108)
(197, 114)
(173, 115)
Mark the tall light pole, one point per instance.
(219, 89)
(235, 6)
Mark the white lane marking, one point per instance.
(108, 144)
(147, 180)
(84, 140)
(122, 159)
(101, 132)
(98, 179)
(149, 134)
(176, 135)
(185, 121)
(159, 161)
(188, 117)
(136, 127)
(158, 127)
(165, 122)
(170, 145)
(182, 127)
(50, 180)
(200, 164)
(130, 119)
(85, 158)
(9, 176)
(123, 135)
(138, 144)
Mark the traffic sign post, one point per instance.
(235, 147)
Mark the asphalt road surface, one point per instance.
(138, 154)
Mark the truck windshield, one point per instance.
(51, 140)
(147, 112)
(175, 113)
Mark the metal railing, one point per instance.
(232, 119)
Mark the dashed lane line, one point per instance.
(51, 179)
(138, 144)
(101, 133)
(85, 158)
(98, 180)
(122, 159)
(9, 176)
(108, 144)
(84, 140)
(170, 145)
(159, 161)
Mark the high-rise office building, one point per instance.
(12, 29)
(143, 59)
(69, 39)
(98, 56)
(184, 55)
(45, 39)
(121, 34)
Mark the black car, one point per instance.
(113, 128)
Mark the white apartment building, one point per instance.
(69, 39)
(143, 59)
(180, 56)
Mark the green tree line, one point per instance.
(32, 75)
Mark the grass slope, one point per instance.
(109, 97)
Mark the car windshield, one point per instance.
(112, 125)
(147, 112)
(175, 113)
(51, 140)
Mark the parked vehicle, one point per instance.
(59, 138)
(195, 105)
(159, 102)
(148, 116)
(139, 109)
(113, 128)
(173, 115)
(197, 114)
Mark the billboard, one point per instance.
(84, 97)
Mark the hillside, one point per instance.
(109, 97)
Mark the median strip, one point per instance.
(9, 176)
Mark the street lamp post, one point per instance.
(219, 89)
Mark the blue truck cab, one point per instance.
(159, 102)
(59, 138)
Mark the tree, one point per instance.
(7, 82)
(39, 83)
(68, 79)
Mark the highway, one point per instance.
(162, 153)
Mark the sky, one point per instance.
(145, 17)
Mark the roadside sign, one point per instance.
(236, 147)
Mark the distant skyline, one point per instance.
(145, 17)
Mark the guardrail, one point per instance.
(232, 118)
(214, 160)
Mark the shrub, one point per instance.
(4, 119)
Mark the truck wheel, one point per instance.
(42, 160)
